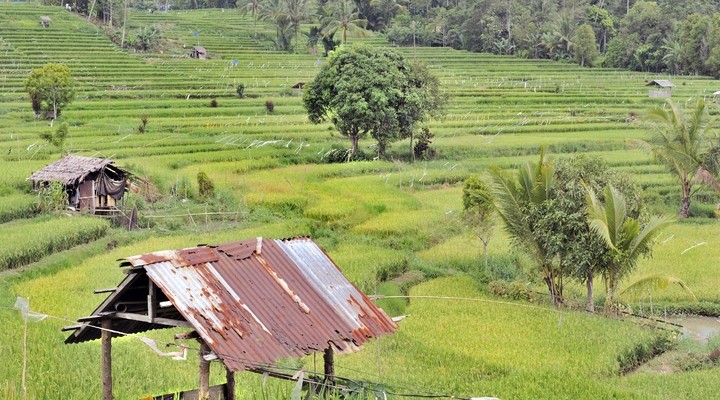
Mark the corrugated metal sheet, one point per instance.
(70, 170)
(256, 301)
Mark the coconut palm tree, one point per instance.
(297, 12)
(276, 11)
(252, 6)
(680, 144)
(514, 194)
(344, 17)
(625, 237)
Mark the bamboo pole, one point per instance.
(106, 343)
(204, 390)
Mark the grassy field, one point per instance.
(381, 221)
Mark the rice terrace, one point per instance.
(206, 129)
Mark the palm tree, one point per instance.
(344, 17)
(627, 240)
(252, 6)
(297, 11)
(679, 144)
(276, 11)
(531, 187)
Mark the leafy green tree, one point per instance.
(627, 239)
(51, 88)
(681, 144)
(582, 252)
(479, 211)
(147, 37)
(362, 90)
(642, 34)
(603, 22)
(57, 138)
(694, 43)
(586, 50)
(713, 62)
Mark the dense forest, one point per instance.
(679, 37)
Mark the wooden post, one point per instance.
(329, 358)
(204, 390)
(230, 384)
(106, 344)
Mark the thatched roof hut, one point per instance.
(92, 184)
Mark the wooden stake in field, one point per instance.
(106, 345)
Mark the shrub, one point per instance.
(52, 198)
(422, 148)
(143, 123)
(512, 290)
(213, 103)
(269, 106)
(206, 187)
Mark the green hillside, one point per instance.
(378, 219)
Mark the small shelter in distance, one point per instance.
(198, 52)
(249, 303)
(660, 88)
(91, 184)
(45, 21)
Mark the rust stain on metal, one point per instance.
(256, 301)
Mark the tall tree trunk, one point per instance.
(590, 292)
(609, 293)
(354, 141)
(685, 202)
(485, 252)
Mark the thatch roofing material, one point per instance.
(70, 170)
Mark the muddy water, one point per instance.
(698, 328)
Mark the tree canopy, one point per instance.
(364, 91)
(51, 88)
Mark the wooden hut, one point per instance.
(660, 88)
(92, 184)
(249, 304)
(198, 52)
(45, 21)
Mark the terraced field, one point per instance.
(377, 219)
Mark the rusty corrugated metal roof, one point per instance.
(254, 301)
(70, 170)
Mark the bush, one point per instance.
(52, 198)
(422, 148)
(206, 187)
(213, 103)
(269, 106)
(512, 290)
(143, 123)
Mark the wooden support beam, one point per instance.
(159, 321)
(329, 359)
(151, 301)
(106, 344)
(108, 290)
(70, 328)
(204, 389)
(230, 375)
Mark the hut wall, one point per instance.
(87, 196)
(659, 93)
